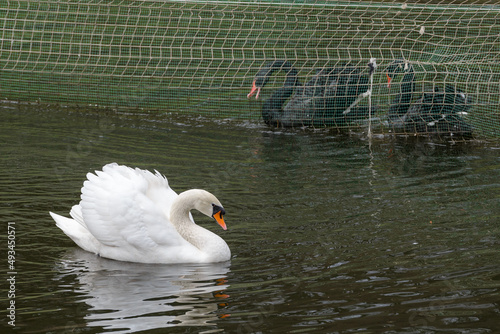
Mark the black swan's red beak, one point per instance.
(254, 90)
(388, 80)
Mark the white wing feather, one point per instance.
(128, 208)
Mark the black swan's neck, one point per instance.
(278, 98)
(273, 106)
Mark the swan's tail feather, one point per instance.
(77, 232)
(77, 215)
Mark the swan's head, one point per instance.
(209, 205)
(260, 81)
(265, 73)
(397, 66)
(255, 90)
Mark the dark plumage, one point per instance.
(322, 101)
(436, 111)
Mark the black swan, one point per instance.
(325, 100)
(436, 111)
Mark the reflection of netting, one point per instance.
(201, 56)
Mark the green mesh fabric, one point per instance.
(201, 57)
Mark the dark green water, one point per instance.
(328, 234)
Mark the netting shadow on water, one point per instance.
(308, 62)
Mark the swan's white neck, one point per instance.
(198, 236)
(179, 212)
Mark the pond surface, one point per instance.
(329, 234)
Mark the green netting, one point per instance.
(201, 56)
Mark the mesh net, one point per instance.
(201, 57)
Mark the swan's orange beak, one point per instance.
(388, 80)
(218, 217)
(253, 91)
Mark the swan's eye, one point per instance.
(216, 209)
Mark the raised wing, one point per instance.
(125, 207)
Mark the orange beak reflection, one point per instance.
(218, 217)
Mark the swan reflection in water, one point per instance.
(128, 297)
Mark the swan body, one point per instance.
(437, 111)
(133, 215)
(322, 101)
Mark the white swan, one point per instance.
(133, 215)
